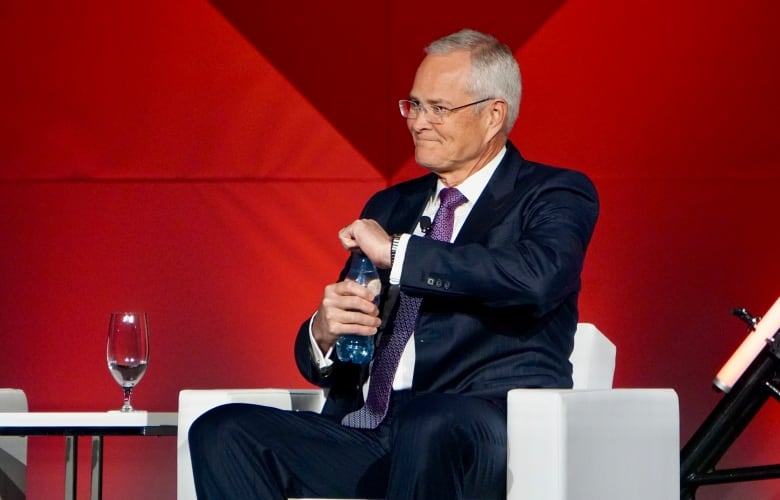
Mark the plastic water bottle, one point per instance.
(359, 349)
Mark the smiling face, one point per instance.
(468, 138)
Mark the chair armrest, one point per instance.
(193, 403)
(601, 444)
(13, 449)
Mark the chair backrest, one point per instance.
(13, 450)
(593, 358)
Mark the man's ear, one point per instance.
(497, 113)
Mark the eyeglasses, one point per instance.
(411, 109)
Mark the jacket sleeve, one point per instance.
(529, 254)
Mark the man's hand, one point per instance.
(369, 237)
(346, 308)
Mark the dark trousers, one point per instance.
(429, 446)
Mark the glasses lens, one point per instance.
(435, 115)
(408, 109)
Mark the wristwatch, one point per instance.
(394, 248)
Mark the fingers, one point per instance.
(349, 297)
(346, 308)
(360, 234)
(347, 238)
(369, 237)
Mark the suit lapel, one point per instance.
(410, 205)
(492, 202)
(403, 218)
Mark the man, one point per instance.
(481, 288)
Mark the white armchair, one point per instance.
(587, 443)
(13, 450)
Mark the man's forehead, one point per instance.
(441, 78)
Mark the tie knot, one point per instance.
(451, 198)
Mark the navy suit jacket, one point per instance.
(499, 307)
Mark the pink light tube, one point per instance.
(752, 345)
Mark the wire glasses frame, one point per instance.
(411, 109)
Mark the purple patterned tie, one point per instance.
(391, 346)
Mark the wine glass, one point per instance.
(127, 350)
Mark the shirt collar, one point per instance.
(474, 184)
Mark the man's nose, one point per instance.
(420, 121)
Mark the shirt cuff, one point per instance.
(321, 360)
(398, 262)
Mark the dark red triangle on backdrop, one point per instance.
(354, 59)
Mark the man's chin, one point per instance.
(425, 158)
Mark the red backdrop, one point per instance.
(196, 159)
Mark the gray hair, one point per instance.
(495, 72)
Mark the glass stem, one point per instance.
(126, 406)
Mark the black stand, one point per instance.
(727, 421)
